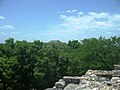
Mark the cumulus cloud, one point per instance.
(68, 11)
(72, 11)
(99, 15)
(14, 33)
(81, 25)
(80, 13)
(1, 17)
(7, 30)
(85, 25)
(7, 27)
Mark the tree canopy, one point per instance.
(38, 65)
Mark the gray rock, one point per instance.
(54, 88)
(89, 72)
(61, 80)
(92, 80)
(115, 80)
(116, 67)
(116, 86)
(48, 89)
(60, 84)
(92, 85)
(116, 73)
(89, 77)
(103, 79)
(69, 79)
(71, 87)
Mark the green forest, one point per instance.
(38, 65)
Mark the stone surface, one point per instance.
(54, 88)
(101, 73)
(49, 89)
(69, 79)
(116, 73)
(116, 67)
(60, 84)
(92, 85)
(71, 87)
(92, 80)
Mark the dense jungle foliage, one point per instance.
(37, 65)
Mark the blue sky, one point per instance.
(63, 20)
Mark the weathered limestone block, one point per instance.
(49, 89)
(116, 67)
(71, 87)
(89, 72)
(69, 79)
(106, 88)
(61, 80)
(103, 79)
(115, 80)
(116, 86)
(89, 77)
(92, 85)
(116, 73)
(92, 80)
(54, 88)
(107, 74)
(101, 73)
(60, 85)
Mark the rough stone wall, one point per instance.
(92, 80)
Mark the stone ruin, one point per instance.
(92, 80)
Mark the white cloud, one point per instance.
(80, 13)
(102, 24)
(62, 16)
(109, 33)
(79, 26)
(85, 25)
(68, 11)
(7, 27)
(74, 10)
(14, 33)
(71, 11)
(1, 17)
(99, 15)
(8, 30)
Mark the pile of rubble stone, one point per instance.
(92, 80)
